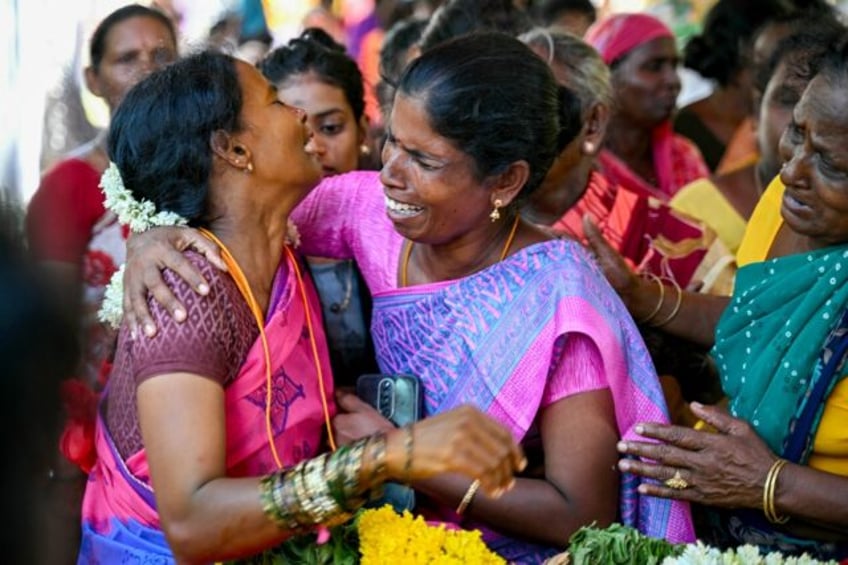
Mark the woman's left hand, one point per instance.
(356, 419)
(727, 468)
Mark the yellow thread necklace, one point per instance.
(407, 252)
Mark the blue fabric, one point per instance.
(124, 543)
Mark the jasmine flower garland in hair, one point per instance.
(140, 216)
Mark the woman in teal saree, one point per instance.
(774, 471)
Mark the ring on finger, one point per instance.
(676, 482)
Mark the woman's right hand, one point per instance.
(615, 268)
(148, 254)
(463, 440)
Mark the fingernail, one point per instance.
(149, 330)
(640, 429)
(621, 446)
(179, 315)
(642, 489)
(624, 466)
(498, 493)
(523, 464)
(511, 485)
(696, 405)
(203, 289)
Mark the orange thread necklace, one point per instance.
(247, 294)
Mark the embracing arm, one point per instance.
(697, 315)
(207, 516)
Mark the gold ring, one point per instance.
(677, 482)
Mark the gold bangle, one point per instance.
(408, 441)
(676, 308)
(658, 307)
(768, 493)
(469, 496)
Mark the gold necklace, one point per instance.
(407, 252)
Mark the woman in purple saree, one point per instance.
(483, 306)
(211, 435)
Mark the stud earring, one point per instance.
(364, 150)
(249, 168)
(588, 147)
(496, 214)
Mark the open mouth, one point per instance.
(401, 209)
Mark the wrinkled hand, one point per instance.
(615, 268)
(726, 469)
(150, 252)
(356, 419)
(464, 441)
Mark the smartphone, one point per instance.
(397, 397)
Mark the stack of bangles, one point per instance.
(649, 319)
(326, 490)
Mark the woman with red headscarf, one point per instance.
(641, 152)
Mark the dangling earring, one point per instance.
(249, 168)
(496, 215)
(364, 150)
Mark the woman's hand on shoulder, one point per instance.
(463, 440)
(615, 269)
(725, 469)
(148, 254)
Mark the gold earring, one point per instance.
(496, 215)
(364, 150)
(249, 168)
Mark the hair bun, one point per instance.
(322, 38)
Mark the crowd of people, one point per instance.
(617, 310)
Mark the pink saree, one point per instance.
(120, 521)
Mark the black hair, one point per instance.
(97, 47)
(548, 11)
(805, 50)
(160, 140)
(396, 44)
(721, 50)
(472, 98)
(315, 51)
(460, 17)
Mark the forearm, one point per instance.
(815, 495)
(695, 320)
(534, 510)
(229, 518)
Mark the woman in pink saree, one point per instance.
(483, 306)
(211, 436)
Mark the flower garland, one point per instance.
(140, 216)
(377, 536)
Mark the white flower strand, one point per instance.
(139, 216)
(700, 554)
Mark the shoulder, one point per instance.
(71, 179)
(221, 285)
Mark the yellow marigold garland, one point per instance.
(386, 537)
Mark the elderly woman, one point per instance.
(778, 465)
(641, 152)
(209, 436)
(481, 305)
(646, 232)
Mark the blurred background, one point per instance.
(46, 110)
